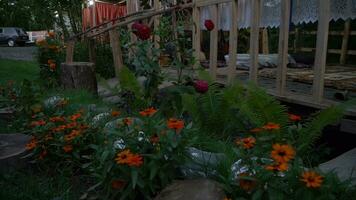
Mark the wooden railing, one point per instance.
(314, 100)
(343, 52)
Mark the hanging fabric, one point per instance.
(303, 11)
(103, 12)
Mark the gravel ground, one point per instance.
(18, 53)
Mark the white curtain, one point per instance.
(303, 11)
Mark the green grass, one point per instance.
(18, 70)
(37, 186)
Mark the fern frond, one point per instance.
(260, 108)
(313, 129)
(129, 82)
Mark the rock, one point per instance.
(202, 163)
(52, 101)
(12, 150)
(344, 166)
(199, 189)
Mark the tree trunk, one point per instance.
(79, 75)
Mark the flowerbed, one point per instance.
(134, 150)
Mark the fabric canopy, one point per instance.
(103, 12)
(303, 11)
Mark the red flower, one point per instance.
(294, 118)
(201, 86)
(209, 25)
(142, 31)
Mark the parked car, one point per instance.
(12, 36)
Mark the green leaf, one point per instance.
(153, 172)
(134, 177)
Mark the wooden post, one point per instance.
(213, 58)
(321, 50)
(70, 51)
(92, 54)
(131, 8)
(345, 42)
(79, 75)
(265, 45)
(156, 39)
(296, 40)
(196, 34)
(233, 42)
(254, 39)
(116, 50)
(283, 47)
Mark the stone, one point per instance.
(12, 151)
(197, 189)
(344, 166)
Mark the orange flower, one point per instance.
(135, 161)
(50, 61)
(115, 113)
(59, 128)
(83, 127)
(175, 124)
(43, 154)
(148, 112)
(312, 179)
(51, 34)
(246, 143)
(38, 123)
(68, 148)
(48, 137)
(41, 42)
(127, 121)
(118, 184)
(126, 157)
(57, 119)
(294, 118)
(278, 167)
(72, 125)
(271, 126)
(122, 157)
(256, 130)
(32, 144)
(75, 116)
(154, 139)
(52, 66)
(282, 153)
(246, 183)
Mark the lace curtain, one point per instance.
(303, 11)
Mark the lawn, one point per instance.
(17, 70)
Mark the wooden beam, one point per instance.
(233, 42)
(202, 3)
(345, 42)
(116, 50)
(265, 44)
(283, 47)
(254, 39)
(196, 35)
(321, 50)
(213, 58)
(123, 21)
(156, 39)
(70, 51)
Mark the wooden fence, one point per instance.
(314, 100)
(343, 52)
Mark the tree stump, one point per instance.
(12, 151)
(79, 75)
